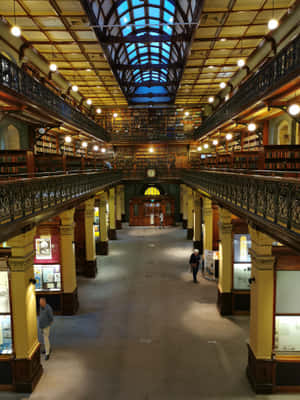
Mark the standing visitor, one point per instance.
(194, 263)
(45, 321)
(161, 220)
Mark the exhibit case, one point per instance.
(96, 224)
(241, 261)
(6, 342)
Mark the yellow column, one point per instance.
(225, 263)
(118, 207)
(68, 265)
(190, 213)
(112, 214)
(23, 302)
(261, 312)
(90, 246)
(103, 243)
(198, 244)
(208, 224)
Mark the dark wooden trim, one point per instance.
(112, 234)
(118, 224)
(90, 269)
(224, 303)
(70, 303)
(102, 248)
(241, 302)
(27, 372)
(260, 374)
(184, 224)
(190, 233)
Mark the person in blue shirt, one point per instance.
(45, 321)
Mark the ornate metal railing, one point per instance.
(14, 78)
(152, 138)
(21, 199)
(283, 67)
(271, 202)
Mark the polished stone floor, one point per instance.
(146, 332)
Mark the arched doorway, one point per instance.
(284, 133)
(11, 138)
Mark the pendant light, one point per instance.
(15, 30)
(273, 22)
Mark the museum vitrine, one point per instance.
(6, 342)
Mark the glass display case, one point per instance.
(287, 333)
(48, 277)
(96, 223)
(5, 317)
(242, 261)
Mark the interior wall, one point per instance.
(137, 189)
(276, 124)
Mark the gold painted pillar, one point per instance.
(118, 207)
(112, 234)
(184, 206)
(190, 213)
(225, 263)
(198, 240)
(26, 367)
(90, 269)
(260, 347)
(68, 265)
(208, 224)
(103, 243)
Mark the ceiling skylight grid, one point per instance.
(146, 42)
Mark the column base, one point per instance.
(102, 248)
(90, 269)
(224, 303)
(190, 234)
(180, 217)
(123, 217)
(119, 224)
(198, 244)
(70, 303)
(27, 372)
(184, 224)
(112, 234)
(260, 374)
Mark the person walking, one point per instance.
(45, 321)
(194, 263)
(161, 220)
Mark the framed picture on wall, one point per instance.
(43, 250)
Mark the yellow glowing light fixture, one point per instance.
(294, 109)
(199, 148)
(151, 150)
(103, 150)
(98, 111)
(75, 88)
(53, 67)
(251, 127)
(95, 147)
(68, 139)
(84, 145)
(229, 136)
(273, 24)
(89, 102)
(205, 146)
(215, 142)
(15, 30)
(115, 115)
(186, 113)
(241, 63)
(211, 99)
(222, 85)
(227, 97)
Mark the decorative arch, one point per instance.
(284, 134)
(11, 138)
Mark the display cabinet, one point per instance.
(6, 343)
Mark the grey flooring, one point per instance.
(146, 332)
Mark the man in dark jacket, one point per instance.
(194, 263)
(45, 321)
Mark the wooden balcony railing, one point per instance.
(278, 71)
(272, 203)
(21, 83)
